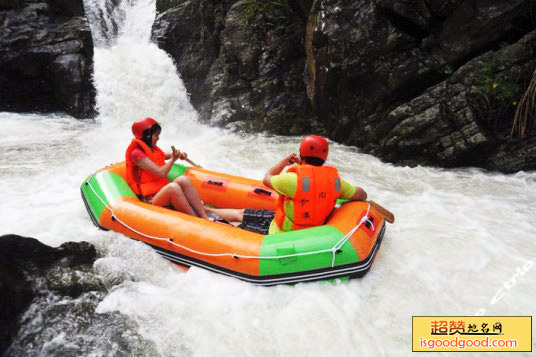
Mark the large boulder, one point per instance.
(424, 82)
(24, 267)
(241, 61)
(431, 82)
(459, 121)
(46, 57)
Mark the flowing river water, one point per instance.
(460, 240)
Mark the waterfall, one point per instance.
(459, 234)
(133, 77)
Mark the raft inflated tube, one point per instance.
(342, 248)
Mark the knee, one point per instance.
(238, 215)
(175, 189)
(183, 181)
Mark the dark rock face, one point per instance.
(241, 61)
(434, 83)
(24, 262)
(46, 57)
(424, 82)
(458, 122)
(190, 34)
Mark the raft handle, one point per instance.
(215, 183)
(369, 222)
(260, 191)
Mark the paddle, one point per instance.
(389, 217)
(186, 159)
(192, 163)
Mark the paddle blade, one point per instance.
(389, 217)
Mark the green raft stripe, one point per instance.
(303, 241)
(108, 187)
(176, 171)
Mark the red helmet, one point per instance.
(314, 146)
(141, 125)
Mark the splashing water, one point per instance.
(459, 235)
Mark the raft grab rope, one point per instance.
(334, 250)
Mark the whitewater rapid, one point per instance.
(459, 234)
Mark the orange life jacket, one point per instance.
(316, 194)
(145, 183)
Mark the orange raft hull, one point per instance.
(344, 247)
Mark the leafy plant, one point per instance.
(496, 87)
(495, 98)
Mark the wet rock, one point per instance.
(459, 122)
(28, 267)
(413, 83)
(409, 82)
(374, 55)
(190, 34)
(241, 61)
(513, 156)
(46, 57)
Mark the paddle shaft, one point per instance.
(187, 160)
(192, 163)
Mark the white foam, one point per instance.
(459, 234)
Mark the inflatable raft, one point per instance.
(344, 247)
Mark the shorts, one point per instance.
(257, 220)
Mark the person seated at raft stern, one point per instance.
(147, 171)
(308, 192)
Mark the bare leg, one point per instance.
(172, 194)
(229, 214)
(191, 195)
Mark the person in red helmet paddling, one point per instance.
(147, 171)
(308, 192)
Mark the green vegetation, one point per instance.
(496, 87)
(495, 99)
